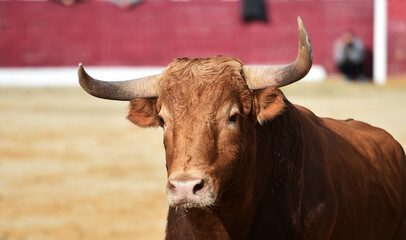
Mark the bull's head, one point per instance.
(208, 109)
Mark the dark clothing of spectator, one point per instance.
(349, 54)
(254, 10)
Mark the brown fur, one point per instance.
(279, 171)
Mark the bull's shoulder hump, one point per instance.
(355, 132)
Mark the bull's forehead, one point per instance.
(206, 82)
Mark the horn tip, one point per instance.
(81, 71)
(299, 22)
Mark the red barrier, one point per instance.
(44, 33)
(396, 37)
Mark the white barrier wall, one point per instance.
(67, 76)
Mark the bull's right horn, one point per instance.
(146, 87)
(279, 76)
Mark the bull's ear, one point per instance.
(143, 112)
(269, 103)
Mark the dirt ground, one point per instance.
(72, 166)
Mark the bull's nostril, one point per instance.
(172, 187)
(198, 187)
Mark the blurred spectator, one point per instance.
(254, 10)
(125, 4)
(66, 2)
(349, 54)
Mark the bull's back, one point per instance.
(360, 172)
(368, 169)
(375, 166)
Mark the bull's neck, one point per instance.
(279, 186)
(270, 179)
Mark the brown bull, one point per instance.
(245, 163)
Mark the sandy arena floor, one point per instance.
(72, 167)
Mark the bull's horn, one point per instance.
(259, 77)
(145, 87)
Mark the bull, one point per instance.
(245, 163)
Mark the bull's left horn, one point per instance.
(145, 87)
(277, 76)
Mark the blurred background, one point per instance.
(151, 33)
(72, 166)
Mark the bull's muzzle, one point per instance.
(188, 192)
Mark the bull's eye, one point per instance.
(233, 118)
(161, 120)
